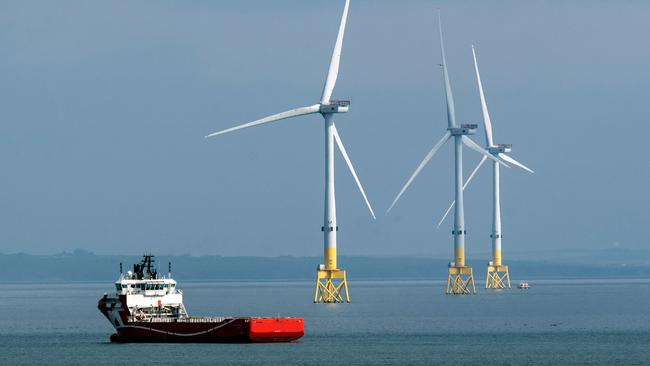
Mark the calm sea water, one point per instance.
(409, 323)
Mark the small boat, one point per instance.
(523, 286)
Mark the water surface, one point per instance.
(596, 322)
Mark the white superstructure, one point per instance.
(151, 297)
(146, 295)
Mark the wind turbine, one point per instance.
(497, 273)
(460, 279)
(331, 284)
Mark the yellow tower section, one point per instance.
(497, 273)
(331, 283)
(460, 279)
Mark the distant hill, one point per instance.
(81, 265)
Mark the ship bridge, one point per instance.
(160, 286)
(144, 281)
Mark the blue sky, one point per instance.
(105, 105)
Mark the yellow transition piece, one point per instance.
(331, 286)
(497, 276)
(460, 281)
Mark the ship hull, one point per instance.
(198, 329)
(230, 330)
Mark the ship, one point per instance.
(147, 307)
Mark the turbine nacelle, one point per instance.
(464, 129)
(499, 148)
(335, 106)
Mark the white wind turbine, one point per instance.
(326, 291)
(460, 276)
(497, 276)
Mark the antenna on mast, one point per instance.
(120, 268)
(169, 269)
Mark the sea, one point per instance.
(555, 322)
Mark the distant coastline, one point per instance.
(83, 266)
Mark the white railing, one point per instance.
(469, 125)
(340, 103)
(178, 320)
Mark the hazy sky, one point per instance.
(104, 105)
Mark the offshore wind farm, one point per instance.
(108, 156)
(497, 276)
(460, 279)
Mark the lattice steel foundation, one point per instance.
(331, 286)
(460, 281)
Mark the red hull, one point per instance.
(276, 329)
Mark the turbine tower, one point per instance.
(460, 279)
(497, 273)
(331, 284)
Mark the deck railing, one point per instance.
(340, 103)
(178, 320)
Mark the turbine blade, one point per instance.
(451, 112)
(453, 203)
(337, 138)
(333, 71)
(474, 146)
(511, 160)
(276, 117)
(486, 115)
(424, 162)
(469, 179)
